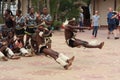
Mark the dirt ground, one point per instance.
(89, 64)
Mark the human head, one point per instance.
(41, 27)
(45, 10)
(32, 10)
(72, 21)
(110, 9)
(96, 12)
(18, 12)
(8, 12)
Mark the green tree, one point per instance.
(70, 8)
(35, 4)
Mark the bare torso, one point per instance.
(69, 32)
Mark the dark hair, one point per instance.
(19, 11)
(9, 12)
(31, 8)
(114, 13)
(45, 8)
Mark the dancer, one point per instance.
(70, 31)
(39, 40)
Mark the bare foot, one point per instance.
(15, 57)
(101, 45)
(4, 58)
(67, 66)
(28, 55)
(69, 62)
(71, 59)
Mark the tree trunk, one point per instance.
(0, 8)
(3, 3)
(28, 6)
(58, 5)
(48, 5)
(19, 5)
(9, 4)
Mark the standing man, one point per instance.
(95, 24)
(111, 23)
(47, 19)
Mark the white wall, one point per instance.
(102, 6)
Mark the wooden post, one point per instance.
(19, 5)
(28, 6)
(94, 6)
(115, 4)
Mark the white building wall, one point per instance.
(102, 6)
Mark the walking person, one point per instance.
(95, 24)
(81, 20)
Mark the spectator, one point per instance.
(111, 23)
(95, 24)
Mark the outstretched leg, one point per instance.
(59, 57)
(78, 42)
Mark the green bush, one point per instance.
(1, 20)
(57, 25)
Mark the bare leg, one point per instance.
(108, 35)
(87, 45)
(3, 57)
(25, 52)
(60, 58)
(11, 54)
(51, 53)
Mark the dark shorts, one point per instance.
(20, 31)
(30, 30)
(111, 27)
(70, 43)
(41, 49)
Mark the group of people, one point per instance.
(31, 34)
(113, 18)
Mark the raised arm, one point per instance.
(77, 27)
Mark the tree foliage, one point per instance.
(61, 8)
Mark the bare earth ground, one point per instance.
(89, 64)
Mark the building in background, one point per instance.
(13, 5)
(102, 6)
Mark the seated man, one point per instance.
(16, 45)
(43, 48)
(5, 51)
(70, 30)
